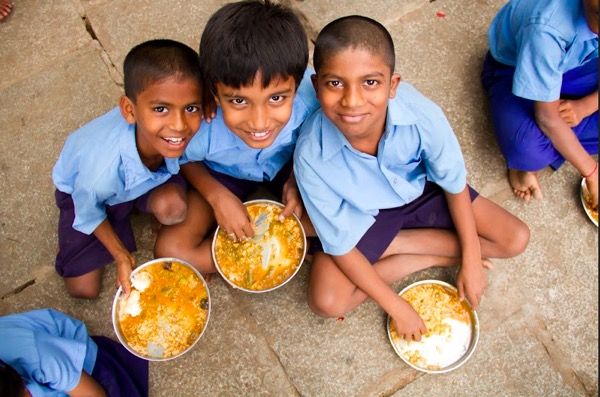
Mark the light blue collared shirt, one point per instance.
(343, 189)
(542, 40)
(224, 152)
(100, 165)
(48, 349)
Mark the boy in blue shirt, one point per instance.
(253, 59)
(47, 353)
(384, 183)
(128, 158)
(541, 76)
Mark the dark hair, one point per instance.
(156, 60)
(11, 383)
(246, 37)
(354, 31)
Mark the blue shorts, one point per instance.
(522, 142)
(429, 210)
(80, 253)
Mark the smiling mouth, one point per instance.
(174, 140)
(260, 135)
(352, 118)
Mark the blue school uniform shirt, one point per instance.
(542, 40)
(100, 165)
(223, 151)
(343, 189)
(48, 349)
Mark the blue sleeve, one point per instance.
(339, 225)
(90, 210)
(441, 153)
(197, 148)
(537, 73)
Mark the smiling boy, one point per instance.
(253, 59)
(128, 158)
(384, 183)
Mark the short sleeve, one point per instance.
(197, 148)
(442, 155)
(339, 225)
(90, 209)
(537, 72)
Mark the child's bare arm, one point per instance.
(471, 280)
(123, 258)
(548, 118)
(87, 387)
(291, 198)
(358, 269)
(573, 111)
(230, 213)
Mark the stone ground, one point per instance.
(60, 67)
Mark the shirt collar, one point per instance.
(332, 139)
(134, 170)
(221, 137)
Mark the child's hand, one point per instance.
(409, 325)
(291, 199)
(209, 107)
(125, 263)
(471, 282)
(232, 217)
(569, 112)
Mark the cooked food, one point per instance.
(587, 199)
(448, 323)
(268, 259)
(165, 312)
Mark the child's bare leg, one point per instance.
(86, 286)
(525, 184)
(189, 240)
(332, 294)
(168, 204)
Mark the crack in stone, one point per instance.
(391, 382)
(18, 290)
(557, 358)
(110, 65)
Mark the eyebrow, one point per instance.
(366, 76)
(234, 94)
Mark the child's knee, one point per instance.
(326, 305)
(82, 291)
(170, 212)
(518, 240)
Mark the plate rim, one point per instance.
(120, 291)
(231, 283)
(474, 332)
(585, 208)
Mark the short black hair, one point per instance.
(155, 60)
(354, 31)
(11, 383)
(246, 37)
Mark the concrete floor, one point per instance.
(60, 67)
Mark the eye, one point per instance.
(277, 98)
(334, 83)
(372, 83)
(160, 109)
(238, 101)
(192, 109)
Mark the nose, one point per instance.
(179, 122)
(258, 119)
(352, 97)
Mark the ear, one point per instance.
(395, 80)
(313, 78)
(127, 109)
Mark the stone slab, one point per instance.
(37, 34)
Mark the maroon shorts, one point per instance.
(430, 210)
(80, 253)
(243, 188)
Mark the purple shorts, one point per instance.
(524, 145)
(430, 210)
(80, 253)
(243, 188)
(120, 373)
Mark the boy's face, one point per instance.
(257, 114)
(591, 14)
(353, 87)
(167, 114)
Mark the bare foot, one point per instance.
(5, 9)
(525, 184)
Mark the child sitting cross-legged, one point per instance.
(384, 183)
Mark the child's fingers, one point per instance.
(461, 291)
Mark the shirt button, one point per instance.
(395, 180)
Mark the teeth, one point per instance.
(260, 134)
(173, 140)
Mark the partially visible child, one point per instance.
(128, 158)
(541, 76)
(384, 183)
(253, 57)
(47, 353)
